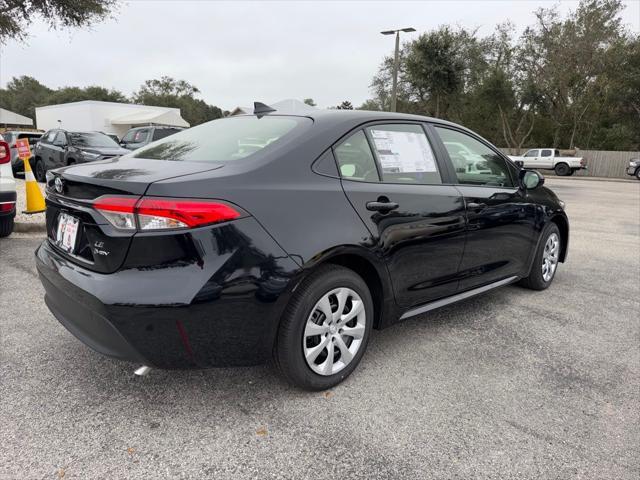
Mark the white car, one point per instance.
(550, 159)
(7, 191)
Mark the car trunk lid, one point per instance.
(72, 190)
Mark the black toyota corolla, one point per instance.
(273, 235)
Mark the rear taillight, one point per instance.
(156, 213)
(7, 206)
(5, 153)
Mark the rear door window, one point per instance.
(545, 153)
(404, 154)
(160, 133)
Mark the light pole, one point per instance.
(396, 60)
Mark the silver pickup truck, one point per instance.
(550, 159)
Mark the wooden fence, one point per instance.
(600, 163)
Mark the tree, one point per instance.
(17, 15)
(310, 102)
(77, 94)
(168, 92)
(23, 95)
(346, 105)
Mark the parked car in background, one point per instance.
(292, 236)
(550, 159)
(634, 168)
(59, 148)
(7, 191)
(10, 137)
(140, 136)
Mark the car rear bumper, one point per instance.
(231, 320)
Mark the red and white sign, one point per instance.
(24, 150)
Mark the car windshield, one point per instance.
(91, 139)
(223, 140)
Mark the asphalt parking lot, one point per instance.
(513, 384)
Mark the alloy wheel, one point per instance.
(550, 256)
(334, 331)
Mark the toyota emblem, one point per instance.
(59, 186)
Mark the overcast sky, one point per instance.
(238, 52)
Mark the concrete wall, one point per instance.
(600, 163)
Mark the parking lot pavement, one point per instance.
(514, 384)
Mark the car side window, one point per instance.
(474, 162)
(531, 153)
(159, 133)
(141, 135)
(404, 154)
(61, 139)
(545, 153)
(355, 159)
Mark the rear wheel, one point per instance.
(6, 226)
(325, 329)
(545, 263)
(41, 172)
(638, 173)
(562, 169)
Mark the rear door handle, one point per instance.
(381, 206)
(476, 206)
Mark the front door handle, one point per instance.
(476, 206)
(381, 206)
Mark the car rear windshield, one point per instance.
(91, 139)
(223, 140)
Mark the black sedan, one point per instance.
(288, 236)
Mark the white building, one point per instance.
(107, 117)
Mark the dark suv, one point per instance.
(141, 136)
(59, 148)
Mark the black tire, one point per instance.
(535, 280)
(6, 226)
(638, 173)
(288, 353)
(562, 169)
(40, 171)
(571, 172)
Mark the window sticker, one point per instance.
(403, 152)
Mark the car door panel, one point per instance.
(421, 237)
(500, 229)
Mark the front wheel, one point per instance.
(546, 260)
(325, 329)
(562, 169)
(638, 173)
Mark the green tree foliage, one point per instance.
(17, 15)
(310, 102)
(24, 94)
(565, 82)
(346, 105)
(168, 92)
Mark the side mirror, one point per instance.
(519, 163)
(530, 179)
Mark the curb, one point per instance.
(24, 227)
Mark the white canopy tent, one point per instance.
(146, 117)
(12, 118)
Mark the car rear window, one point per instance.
(223, 140)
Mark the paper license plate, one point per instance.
(67, 232)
